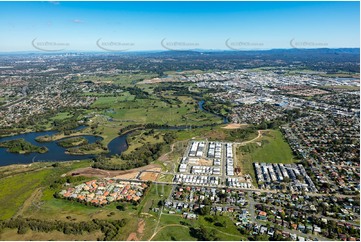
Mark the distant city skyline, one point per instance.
(149, 26)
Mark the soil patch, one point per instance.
(149, 176)
(95, 172)
(234, 126)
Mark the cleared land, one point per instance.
(94, 172)
(271, 147)
(234, 126)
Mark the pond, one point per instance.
(55, 152)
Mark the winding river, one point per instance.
(57, 153)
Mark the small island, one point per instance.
(73, 141)
(44, 138)
(88, 149)
(21, 146)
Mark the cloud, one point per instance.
(77, 21)
(54, 2)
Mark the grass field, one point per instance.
(16, 188)
(61, 116)
(153, 110)
(212, 133)
(126, 79)
(28, 194)
(174, 233)
(155, 193)
(273, 149)
(174, 227)
(142, 137)
(11, 234)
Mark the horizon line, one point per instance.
(167, 50)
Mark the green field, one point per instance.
(126, 79)
(61, 116)
(216, 133)
(156, 193)
(25, 191)
(141, 137)
(174, 227)
(174, 233)
(270, 148)
(12, 235)
(153, 110)
(16, 188)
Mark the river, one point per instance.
(57, 153)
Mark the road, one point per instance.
(251, 204)
(244, 189)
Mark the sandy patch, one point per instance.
(94, 172)
(204, 162)
(149, 176)
(234, 126)
(131, 175)
(134, 236)
(141, 225)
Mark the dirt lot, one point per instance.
(234, 126)
(149, 176)
(134, 236)
(94, 172)
(204, 162)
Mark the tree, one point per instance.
(205, 210)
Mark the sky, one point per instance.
(136, 26)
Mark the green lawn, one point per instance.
(61, 116)
(170, 223)
(17, 188)
(12, 235)
(175, 233)
(153, 110)
(274, 149)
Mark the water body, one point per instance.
(200, 105)
(57, 153)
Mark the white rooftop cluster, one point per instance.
(214, 150)
(183, 165)
(206, 170)
(229, 160)
(196, 180)
(197, 149)
(234, 182)
(271, 173)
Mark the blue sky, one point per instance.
(136, 26)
